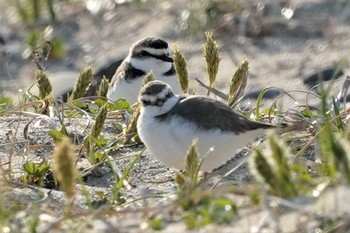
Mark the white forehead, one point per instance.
(153, 50)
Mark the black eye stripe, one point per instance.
(144, 54)
(146, 102)
(170, 94)
(158, 102)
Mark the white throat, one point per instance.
(158, 67)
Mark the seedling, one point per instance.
(35, 172)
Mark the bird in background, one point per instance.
(148, 54)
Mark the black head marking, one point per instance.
(152, 42)
(152, 89)
(140, 51)
(143, 54)
(156, 43)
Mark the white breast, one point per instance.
(169, 141)
(130, 90)
(127, 90)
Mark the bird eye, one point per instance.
(144, 53)
(169, 94)
(146, 102)
(159, 102)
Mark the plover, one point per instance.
(150, 53)
(168, 123)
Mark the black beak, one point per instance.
(167, 58)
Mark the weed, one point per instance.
(238, 82)
(280, 169)
(35, 172)
(181, 69)
(65, 171)
(5, 103)
(103, 88)
(93, 139)
(200, 207)
(42, 45)
(45, 90)
(31, 10)
(82, 84)
(211, 54)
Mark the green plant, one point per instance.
(273, 168)
(93, 139)
(65, 171)
(57, 49)
(282, 174)
(200, 207)
(45, 90)
(56, 135)
(35, 172)
(31, 10)
(117, 191)
(42, 45)
(212, 58)
(238, 82)
(103, 87)
(83, 83)
(180, 65)
(335, 148)
(5, 103)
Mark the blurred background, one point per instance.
(285, 41)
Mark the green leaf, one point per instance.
(302, 172)
(101, 141)
(5, 103)
(222, 210)
(255, 198)
(203, 216)
(118, 126)
(81, 105)
(157, 223)
(101, 102)
(56, 135)
(137, 139)
(101, 195)
(190, 219)
(57, 47)
(29, 167)
(43, 169)
(258, 102)
(33, 37)
(122, 104)
(336, 110)
(128, 169)
(306, 113)
(98, 157)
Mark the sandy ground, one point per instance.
(281, 54)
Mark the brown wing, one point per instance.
(212, 114)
